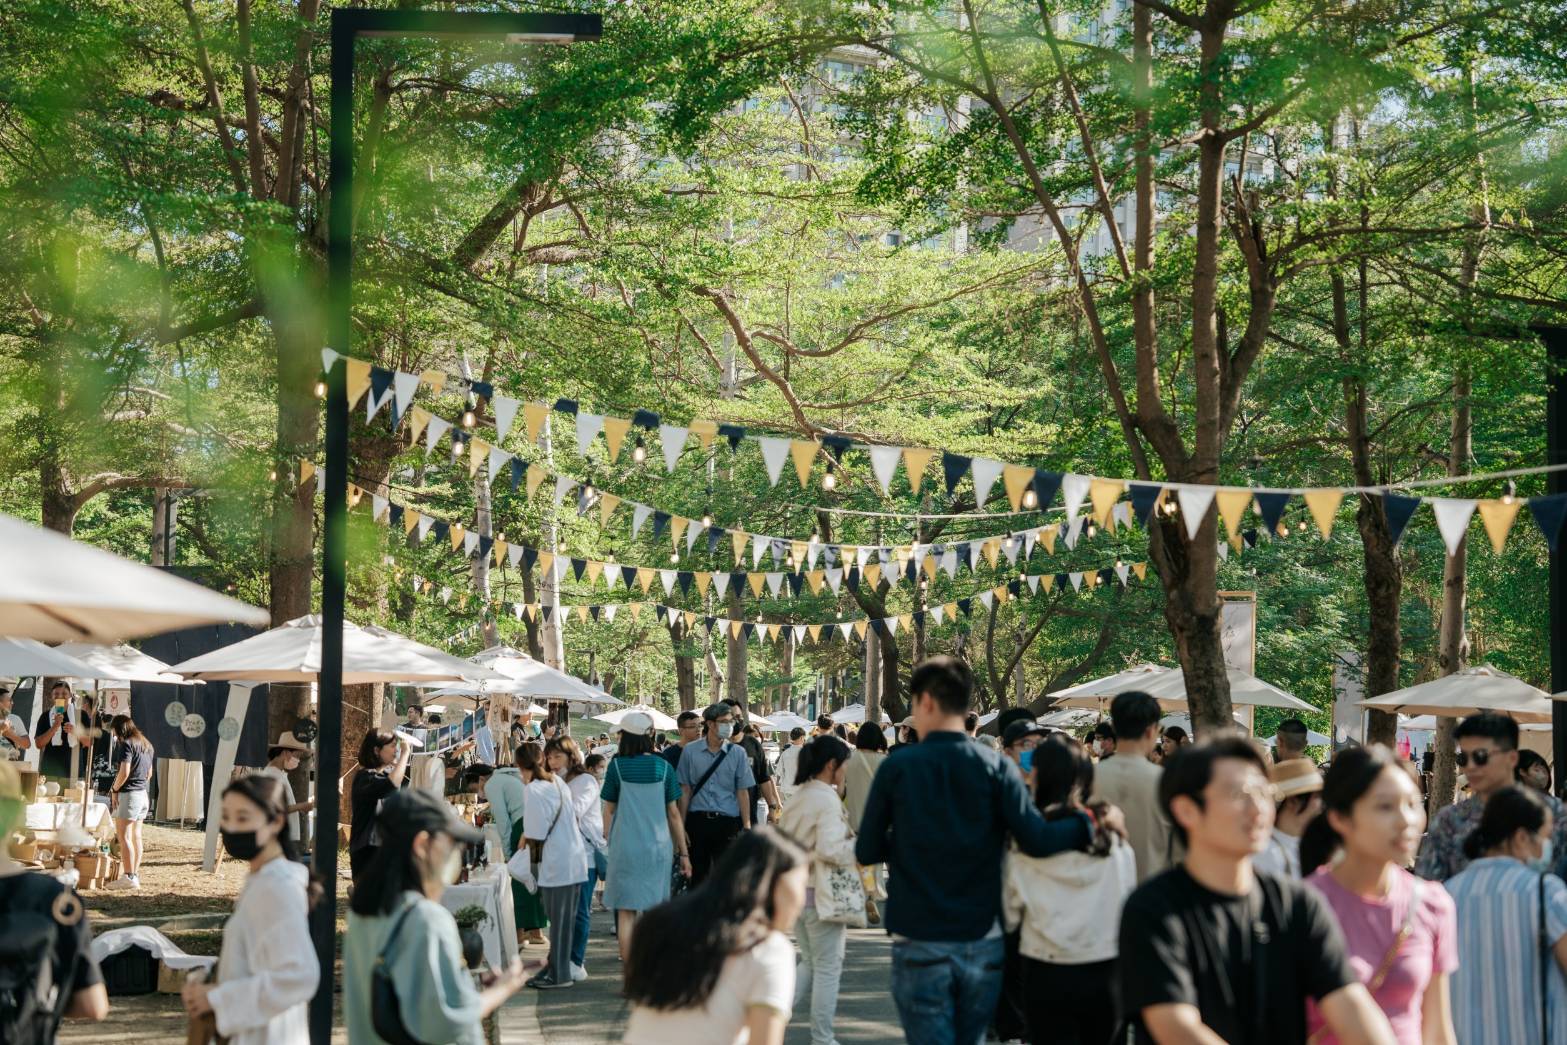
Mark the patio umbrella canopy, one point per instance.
(527, 677)
(1469, 691)
(1168, 686)
(660, 720)
(854, 714)
(60, 590)
(117, 663)
(467, 669)
(788, 720)
(32, 659)
(292, 653)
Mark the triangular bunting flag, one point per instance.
(403, 388)
(1016, 478)
(884, 463)
(1271, 505)
(1548, 513)
(615, 429)
(915, 461)
(774, 451)
(1195, 502)
(1452, 519)
(985, 472)
(953, 468)
(1103, 493)
(1399, 511)
(608, 502)
(533, 417)
(588, 426)
(1498, 518)
(672, 439)
(358, 380)
(1073, 489)
(1144, 496)
(1232, 507)
(804, 454)
(1323, 505)
(505, 408)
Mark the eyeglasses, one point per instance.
(1480, 756)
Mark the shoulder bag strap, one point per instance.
(1380, 975)
(700, 784)
(391, 937)
(1545, 966)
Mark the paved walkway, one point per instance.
(594, 1013)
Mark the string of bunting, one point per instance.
(1027, 488)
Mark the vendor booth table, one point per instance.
(489, 889)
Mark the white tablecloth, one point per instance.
(492, 892)
(49, 816)
(179, 789)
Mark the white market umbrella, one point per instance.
(614, 718)
(1313, 738)
(527, 677)
(292, 653)
(1135, 677)
(465, 668)
(1168, 686)
(789, 720)
(1469, 691)
(853, 715)
(59, 590)
(1185, 722)
(450, 699)
(764, 723)
(120, 663)
(988, 717)
(1070, 718)
(32, 659)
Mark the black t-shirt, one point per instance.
(73, 967)
(671, 754)
(54, 755)
(371, 786)
(1248, 963)
(760, 771)
(140, 759)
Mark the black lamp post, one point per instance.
(348, 25)
(1555, 339)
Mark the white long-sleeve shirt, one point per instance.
(267, 972)
(590, 811)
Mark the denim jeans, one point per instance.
(579, 935)
(821, 967)
(946, 992)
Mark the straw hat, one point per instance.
(1294, 776)
(290, 743)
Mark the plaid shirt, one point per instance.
(1442, 851)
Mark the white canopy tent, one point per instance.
(120, 664)
(853, 715)
(1469, 691)
(660, 720)
(32, 659)
(1313, 739)
(466, 668)
(788, 720)
(523, 676)
(1168, 686)
(60, 590)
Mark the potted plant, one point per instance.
(469, 919)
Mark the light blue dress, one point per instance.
(641, 853)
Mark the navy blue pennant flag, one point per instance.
(1399, 511)
(1271, 505)
(1250, 537)
(911, 570)
(966, 555)
(852, 578)
(660, 520)
(593, 611)
(380, 381)
(1015, 587)
(579, 567)
(954, 467)
(394, 516)
(734, 433)
(1548, 512)
(796, 582)
(442, 531)
(483, 389)
(1045, 485)
(685, 578)
(749, 629)
(966, 606)
(737, 581)
(529, 557)
(919, 618)
(518, 470)
(628, 576)
(1106, 575)
(710, 621)
(1062, 580)
(880, 627)
(836, 445)
(547, 610)
(714, 534)
(1143, 496)
(566, 406)
(485, 544)
(645, 419)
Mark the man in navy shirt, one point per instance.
(939, 814)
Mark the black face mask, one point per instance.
(241, 845)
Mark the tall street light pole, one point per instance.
(1555, 339)
(348, 25)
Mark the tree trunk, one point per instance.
(735, 658)
(1189, 573)
(1453, 647)
(685, 665)
(892, 701)
(873, 676)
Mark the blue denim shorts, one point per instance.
(132, 805)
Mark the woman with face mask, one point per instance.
(561, 865)
(267, 972)
(1400, 931)
(396, 918)
(1512, 927)
(287, 755)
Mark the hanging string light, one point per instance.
(1030, 499)
(829, 478)
(1509, 493)
(321, 387)
(639, 451)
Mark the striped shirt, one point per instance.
(1496, 990)
(639, 769)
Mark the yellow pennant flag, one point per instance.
(915, 461)
(859, 628)
(546, 562)
(608, 502)
(1047, 537)
(950, 609)
(814, 579)
(703, 430)
(499, 548)
(595, 569)
(410, 520)
(1140, 570)
(615, 429)
(1016, 479)
(929, 566)
(905, 620)
(535, 477)
(533, 416)
(690, 618)
(435, 379)
(872, 575)
(756, 580)
(739, 539)
(582, 612)
(635, 609)
(797, 549)
(457, 534)
(307, 472)
(355, 495)
(992, 551)
(644, 578)
(531, 611)
(734, 628)
(814, 631)
(1498, 517)
(804, 453)
(677, 529)
(703, 579)
(1232, 508)
(418, 421)
(478, 450)
(358, 380)
(1048, 582)
(1324, 508)
(1104, 493)
(1237, 541)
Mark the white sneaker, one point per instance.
(578, 973)
(120, 883)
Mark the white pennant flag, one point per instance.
(470, 542)
(1077, 582)
(433, 432)
(609, 613)
(611, 576)
(668, 577)
(329, 358)
(937, 613)
(720, 583)
(845, 628)
(373, 405)
(985, 472)
(812, 551)
(1010, 547)
(1030, 542)
(514, 555)
(884, 464)
(987, 598)
(563, 484)
(320, 481)
(1452, 519)
(775, 583)
(674, 441)
(759, 545)
(498, 457)
(403, 388)
(834, 578)
(694, 529)
(1195, 502)
(1224, 551)
(1073, 489)
(1122, 513)
(378, 506)
(949, 562)
(446, 595)
(862, 555)
(1033, 583)
(423, 529)
(1074, 531)
(588, 426)
(1121, 571)
(516, 610)
(639, 515)
(505, 408)
(774, 453)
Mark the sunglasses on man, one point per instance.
(1480, 756)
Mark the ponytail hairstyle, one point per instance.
(530, 759)
(265, 792)
(1508, 811)
(1063, 780)
(817, 755)
(1354, 772)
(125, 732)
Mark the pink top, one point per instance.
(1371, 926)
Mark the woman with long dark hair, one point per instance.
(383, 768)
(133, 768)
(816, 820)
(870, 751)
(735, 978)
(1399, 931)
(565, 761)
(643, 826)
(1067, 907)
(1512, 927)
(396, 922)
(267, 973)
(550, 821)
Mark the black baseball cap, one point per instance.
(414, 809)
(1023, 727)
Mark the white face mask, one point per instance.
(1542, 863)
(725, 730)
(452, 869)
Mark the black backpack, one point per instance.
(31, 1002)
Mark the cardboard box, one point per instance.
(170, 981)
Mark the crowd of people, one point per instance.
(1134, 886)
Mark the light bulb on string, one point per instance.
(468, 419)
(321, 387)
(272, 476)
(829, 478)
(1030, 499)
(1301, 526)
(1509, 493)
(674, 556)
(639, 451)
(1091, 530)
(1284, 530)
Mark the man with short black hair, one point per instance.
(1022, 734)
(1210, 951)
(939, 814)
(1488, 758)
(1104, 741)
(824, 724)
(1130, 781)
(715, 780)
(689, 726)
(765, 787)
(1289, 742)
